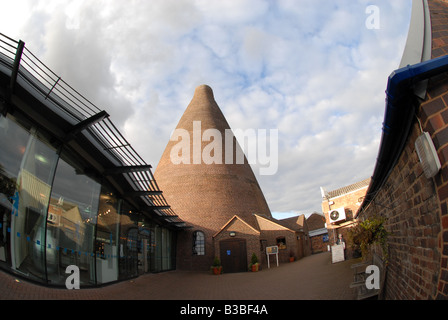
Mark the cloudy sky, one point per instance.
(313, 69)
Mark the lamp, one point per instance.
(427, 155)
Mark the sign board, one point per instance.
(337, 253)
(272, 250)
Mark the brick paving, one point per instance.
(310, 278)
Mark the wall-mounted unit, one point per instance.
(337, 215)
(427, 155)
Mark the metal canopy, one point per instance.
(92, 132)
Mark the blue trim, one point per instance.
(401, 104)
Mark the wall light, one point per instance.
(427, 154)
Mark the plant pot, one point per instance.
(254, 267)
(217, 270)
(291, 259)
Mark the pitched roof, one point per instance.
(283, 224)
(235, 217)
(296, 223)
(316, 221)
(350, 188)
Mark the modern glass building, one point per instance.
(72, 189)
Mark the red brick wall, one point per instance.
(318, 245)
(416, 208)
(242, 231)
(350, 202)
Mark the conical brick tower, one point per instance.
(206, 196)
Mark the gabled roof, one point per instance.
(235, 217)
(294, 224)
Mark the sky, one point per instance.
(315, 70)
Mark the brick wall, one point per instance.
(416, 208)
(409, 203)
(350, 201)
(318, 244)
(242, 231)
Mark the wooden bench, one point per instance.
(360, 276)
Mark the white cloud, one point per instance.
(309, 68)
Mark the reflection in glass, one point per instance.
(30, 204)
(106, 238)
(13, 141)
(71, 223)
(128, 242)
(53, 214)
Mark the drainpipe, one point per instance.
(401, 104)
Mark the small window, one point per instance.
(198, 243)
(281, 242)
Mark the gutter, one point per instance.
(401, 104)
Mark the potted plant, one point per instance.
(216, 267)
(367, 233)
(291, 256)
(254, 265)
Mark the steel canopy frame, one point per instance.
(86, 123)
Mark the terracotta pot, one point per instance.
(254, 267)
(217, 270)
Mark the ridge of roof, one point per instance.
(350, 188)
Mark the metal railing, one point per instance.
(69, 103)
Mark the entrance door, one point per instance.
(233, 255)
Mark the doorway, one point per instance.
(233, 255)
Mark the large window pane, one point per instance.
(13, 141)
(166, 243)
(128, 254)
(28, 219)
(157, 248)
(107, 238)
(72, 217)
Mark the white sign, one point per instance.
(337, 253)
(272, 250)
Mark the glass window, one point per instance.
(127, 244)
(30, 204)
(157, 252)
(281, 242)
(72, 216)
(107, 237)
(198, 243)
(13, 141)
(166, 249)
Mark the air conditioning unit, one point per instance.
(337, 215)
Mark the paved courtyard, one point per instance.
(310, 278)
